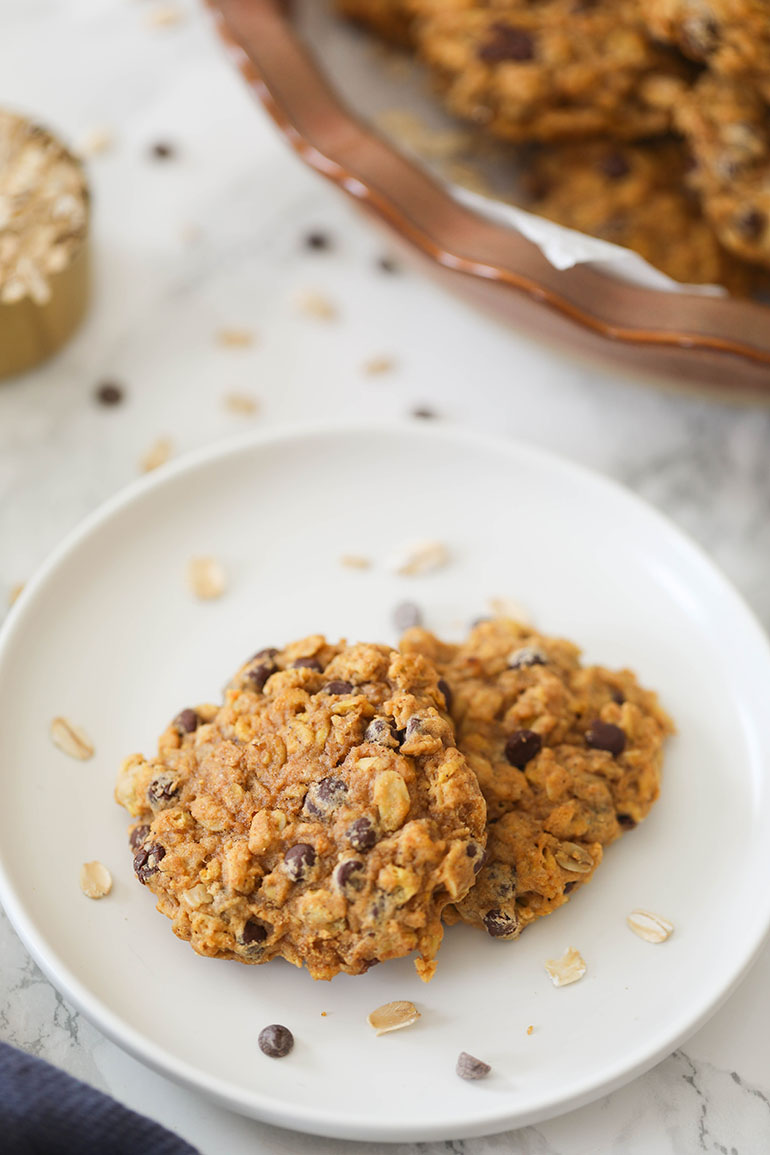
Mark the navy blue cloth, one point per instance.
(43, 1111)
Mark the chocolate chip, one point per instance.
(626, 821)
(186, 722)
(348, 874)
(446, 691)
(569, 886)
(507, 42)
(162, 791)
(526, 656)
(275, 1041)
(469, 1067)
(618, 697)
(414, 726)
(338, 688)
(751, 224)
(522, 747)
(258, 675)
(361, 834)
(387, 265)
(307, 664)
(147, 860)
(406, 616)
(382, 731)
(264, 655)
(324, 796)
(424, 413)
(137, 836)
(299, 860)
(163, 150)
(109, 393)
(318, 241)
(605, 736)
(254, 932)
(499, 924)
(614, 165)
(473, 850)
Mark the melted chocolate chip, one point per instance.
(414, 726)
(618, 697)
(147, 860)
(324, 796)
(499, 924)
(299, 860)
(254, 932)
(307, 664)
(263, 655)
(569, 886)
(522, 747)
(361, 834)
(258, 675)
(605, 736)
(614, 165)
(626, 821)
(751, 224)
(275, 1041)
(382, 731)
(348, 874)
(507, 42)
(137, 836)
(526, 656)
(446, 691)
(338, 688)
(162, 791)
(406, 616)
(473, 850)
(187, 722)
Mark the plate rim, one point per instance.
(255, 1104)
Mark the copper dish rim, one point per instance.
(732, 335)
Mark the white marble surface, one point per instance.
(162, 296)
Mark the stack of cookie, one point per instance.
(345, 799)
(646, 122)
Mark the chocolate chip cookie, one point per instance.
(727, 127)
(567, 756)
(322, 813)
(557, 70)
(731, 36)
(390, 19)
(636, 195)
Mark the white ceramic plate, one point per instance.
(108, 636)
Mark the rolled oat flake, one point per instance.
(469, 1067)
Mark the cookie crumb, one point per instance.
(469, 1067)
(164, 16)
(355, 561)
(424, 413)
(565, 970)
(314, 304)
(419, 557)
(158, 454)
(241, 404)
(206, 578)
(95, 880)
(505, 607)
(530, 1030)
(323, 1014)
(71, 739)
(15, 593)
(234, 338)
(375, 366)
(109, 394)
(275, 1041)
(650, 927)
(393, 1016)
(387, 265)
(162, 150)
(94, 142)
(317, 241)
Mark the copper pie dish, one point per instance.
(719, 342)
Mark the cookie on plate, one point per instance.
(567, 756)
(550, 71)
(323, 813)
(727, 126)
(636, 195)
(731, 36)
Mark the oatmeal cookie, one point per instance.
(551, 71)
(636, 195)
(727, 126)
(390, 19)
(567, 757)
(731, 36)
(323, 813)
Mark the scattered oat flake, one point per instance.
(418, 557)
(71, 739)
(95, 880)
(206, 578)
(324, 1014)
(469, 1067)
(95, 141)
(158, 454)
(164, 15)
(355, 561)
(235, 338)
(393, 1016)
(650, 927)
(377, 365)
(15, 593)
(241, 404)
(567, 969)
(510, 608)
(530, 1030)
(315, 304)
